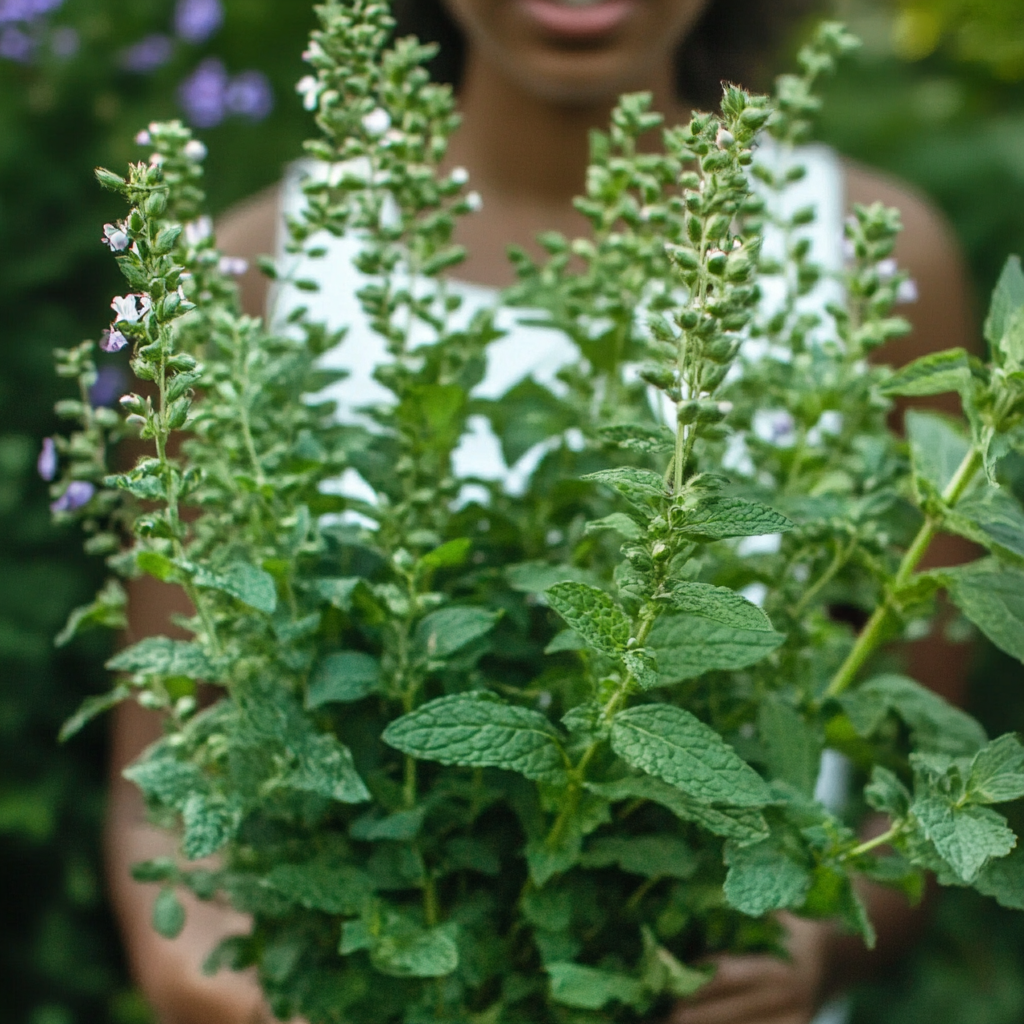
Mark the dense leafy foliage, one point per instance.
(412, 772)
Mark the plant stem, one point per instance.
(872, 633)
(871, 844)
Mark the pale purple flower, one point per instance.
(202, 94)
(233, 265)
(250, 95)
(143, 138)
(26, 10)
(196, 20)
(110, 382)
(115, 236)
(131, 308)
(775, 426)
(907, 293)
(47, 461)
(112, 340)
(198, 231)
(16, 45)
(64, 42)
(887, 269)
(195, 150)
(78, 493)
(309, 89)
(148, 54)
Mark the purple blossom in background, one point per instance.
(78, 493)
(110, 382)
(202, 94)
(15, 45)
(148, 54)
(250, 95)
(196, 20)
(26, 10)
(47, 461)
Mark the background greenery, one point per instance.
(936, 97)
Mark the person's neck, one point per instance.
(527, 156)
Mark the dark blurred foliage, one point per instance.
(935, 97)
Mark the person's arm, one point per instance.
(169, 972)
(824, 960)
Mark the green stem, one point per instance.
(838, 561)
(873, 632)
(872, 844)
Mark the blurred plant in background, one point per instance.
(936, 97)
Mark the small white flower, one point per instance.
(115, 236)
(313, 52)
(143, 138)
(195, 150)
(887, 269)
(725, 408)
(725, 139)
(775, 426)
(377, 122)
(112, 340)
(197, 231)
(907, 292)
(156, 160)
(459, 176)
(831, 422)
(308, 88)
(474, 202)
(233, 265)
(131, 308)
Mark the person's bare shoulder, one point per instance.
(942, 316)
(250, 229)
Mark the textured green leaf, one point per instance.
(639, 438)
(405, 950)
(933, 374)
(319, 885)
(588, 988)
(440, 634)
(592, 614)
(91, 707)
(536, 577)
(687, 646)
(325, 767)
(248, 583)
(106, 610)
(1011, 346)
(997, 772)
(719, 604)
(638, 486)
(161, 656)
(718, 518)
(762, 878)
(996, 517)
(644, 668)
(993, 600)
(210, 820)
(886, 793)
(654, 856)
(478, 730)
(792, 748)
(168, 914)
(743, 825)
(1007, 299)
(1003, 879)
(339, 591)
(675, 746)
(937, 447)
(619, 522)
(965, 837)
(663, 973)
(935, 725)
(566, 640)
(343, 676)
(398, 827)
(165, 779)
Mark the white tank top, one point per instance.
(537, 352)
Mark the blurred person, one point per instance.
(533, 77)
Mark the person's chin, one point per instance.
(576, 77)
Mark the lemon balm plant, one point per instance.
(530, 758)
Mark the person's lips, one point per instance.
(578, 21)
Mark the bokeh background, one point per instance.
(936, 97)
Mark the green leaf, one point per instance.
(1003, 879)
(792, 748)
(965, 837)
(447, 556)
(1011, 346)
(997, 772)
(210, 820)
(993, 600)
(527, 414)
(168, 914)
(639, 438)
(1007, 299)
(536, 577)
(618, 521)
(663, 973)
(588, 988)
(687, 646)
(933, 374)
(566, 640)
(399, 827)
(325, 767)
(638, 486)
(343, 676)
(477, 730)
(107, 609)
(762, 878)
(885, 792)
(993, 518)
(718, 518)
(935, 725)
(319, 885)
(675, 746)
(937, 447)
(339, 591)
(644, 668)
(90, 708)
(440, 634)
(161, 656)
(248, 583)
(719, 604)
(405, 950)
(653, 856)
(592, 614)
(742, 825)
